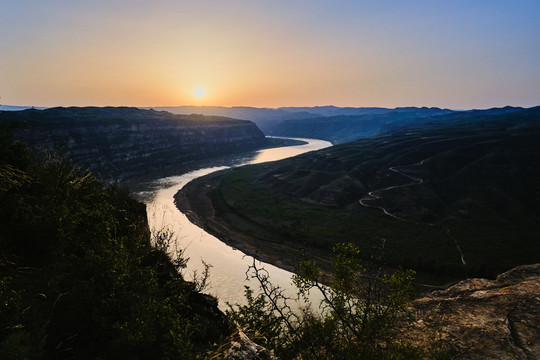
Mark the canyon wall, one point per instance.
(121, 142)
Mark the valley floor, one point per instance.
(194, 201)
(499, 317)
(238, 231)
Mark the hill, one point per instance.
(345, 128)
(263, 117)
(457, 197)
(297, 121)
(118, 142)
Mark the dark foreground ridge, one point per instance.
(80, 276)
(118, 142)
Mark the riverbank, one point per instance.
(228, 265)
(143, 182)
(202, 202)
(195, 201)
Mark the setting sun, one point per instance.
(200, 93)
(247, 53)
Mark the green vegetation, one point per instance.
(274, 217)
(79, 277)
(476, 187)
(359, 316)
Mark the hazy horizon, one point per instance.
(24, 107)
(458, 55)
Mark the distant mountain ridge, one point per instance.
(270, 119)
(331, 123)
(345, 128)
(263, 117)
(18, 108)
(338, 124)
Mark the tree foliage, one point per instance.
(79, 277)
(358, 315)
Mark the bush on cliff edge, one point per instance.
(79, 277)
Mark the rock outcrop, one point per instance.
(241, 347)
(119, 142)
(483, 319)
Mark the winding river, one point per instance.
(228, 265)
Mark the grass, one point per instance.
(309, 226)
(479, 192)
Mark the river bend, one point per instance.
(227, 274)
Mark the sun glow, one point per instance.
(200, 93)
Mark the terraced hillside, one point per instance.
(457, 198)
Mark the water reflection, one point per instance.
(227, 277)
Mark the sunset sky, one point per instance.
(459, 54)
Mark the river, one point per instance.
(228, 265)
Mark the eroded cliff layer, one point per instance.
(118, 142)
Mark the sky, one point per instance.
(458, 54)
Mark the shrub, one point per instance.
(357, 318)
(79, 276)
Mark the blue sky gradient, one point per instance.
(454, 54)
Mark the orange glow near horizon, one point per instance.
(269, 54)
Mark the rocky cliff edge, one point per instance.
(483, 319)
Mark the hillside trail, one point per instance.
(375, 195)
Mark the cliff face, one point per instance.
(484, 319)
(121, 142)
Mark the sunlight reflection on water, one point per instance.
(227, 275)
